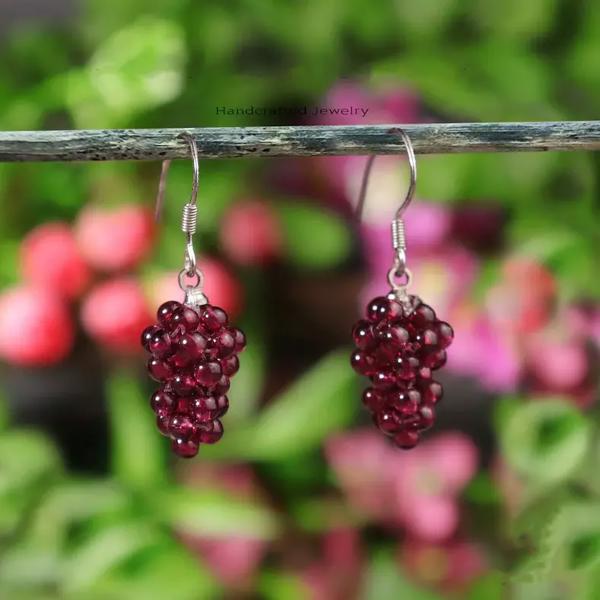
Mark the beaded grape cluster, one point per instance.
(194, 354)
(398, 346)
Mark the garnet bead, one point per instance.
(165, 312)
(193, 355)
(397, 347)
(159, 370)
(184, 448)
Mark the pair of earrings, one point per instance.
(194, 348)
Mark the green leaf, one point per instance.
(545, 440)
(319, 402)
(216, 513)
(314, 238)
(491, 586)
(279, 585)
(385, 580)
(138, 452)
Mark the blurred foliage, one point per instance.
(149, 64)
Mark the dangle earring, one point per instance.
(192, 346)
(400, 341)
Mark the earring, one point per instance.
(193, 348)
(400, 341)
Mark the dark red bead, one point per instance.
(184, 448)
(162, 402)
(382, 308)
(160, 344)
(391, 335)
(372, 399)
(424, 373)
(183, 404)
(383, 380)
(183, 384)
(205, 409)
(435, 360)
(422, 317)
(222, 386)
(159, 370)
(387, 422)
(445, 334)
(406, 439)
(148, 334)
(230, 365)
(404, 401)
(208, 373)
(362, 334)
(162, 422)
(165, 313)
(186, 318)
(362, 363)
(213, 317)
(427, 339)
(426, 417)
(222, 405)
(240, 339)
(432, 392)
(190, 348)
(405, 367)
(209, 433)
(224, 343)
(181, 427)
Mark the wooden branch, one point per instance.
(228, 142)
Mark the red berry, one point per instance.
(36, 327)
(184, 449)
(51, 259)
(208, 373)
(114, 239)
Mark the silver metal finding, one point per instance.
(399, 269)
(188, 222)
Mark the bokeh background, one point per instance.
(302, 498)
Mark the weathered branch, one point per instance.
(227, 142)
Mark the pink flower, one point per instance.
(115, 312)
(50, 258)
(220, 286)
(114, 239)
(234, 559)
(415, 489)
(36, 328)
(427, 480)
(521, 302)
(336, 573)
(478, 226)
(427, 226)
(250, 233)
(449, 567)
(483, 351)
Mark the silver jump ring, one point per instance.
(394, 274)
(197, 275)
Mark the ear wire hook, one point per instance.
(189, 215)
(399, 269)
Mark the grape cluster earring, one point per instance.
(193, 348)
(400, 342)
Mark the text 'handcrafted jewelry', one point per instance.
(193, 348)
(400, 341)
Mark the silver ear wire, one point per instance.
(188, 224)
(399, 269)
